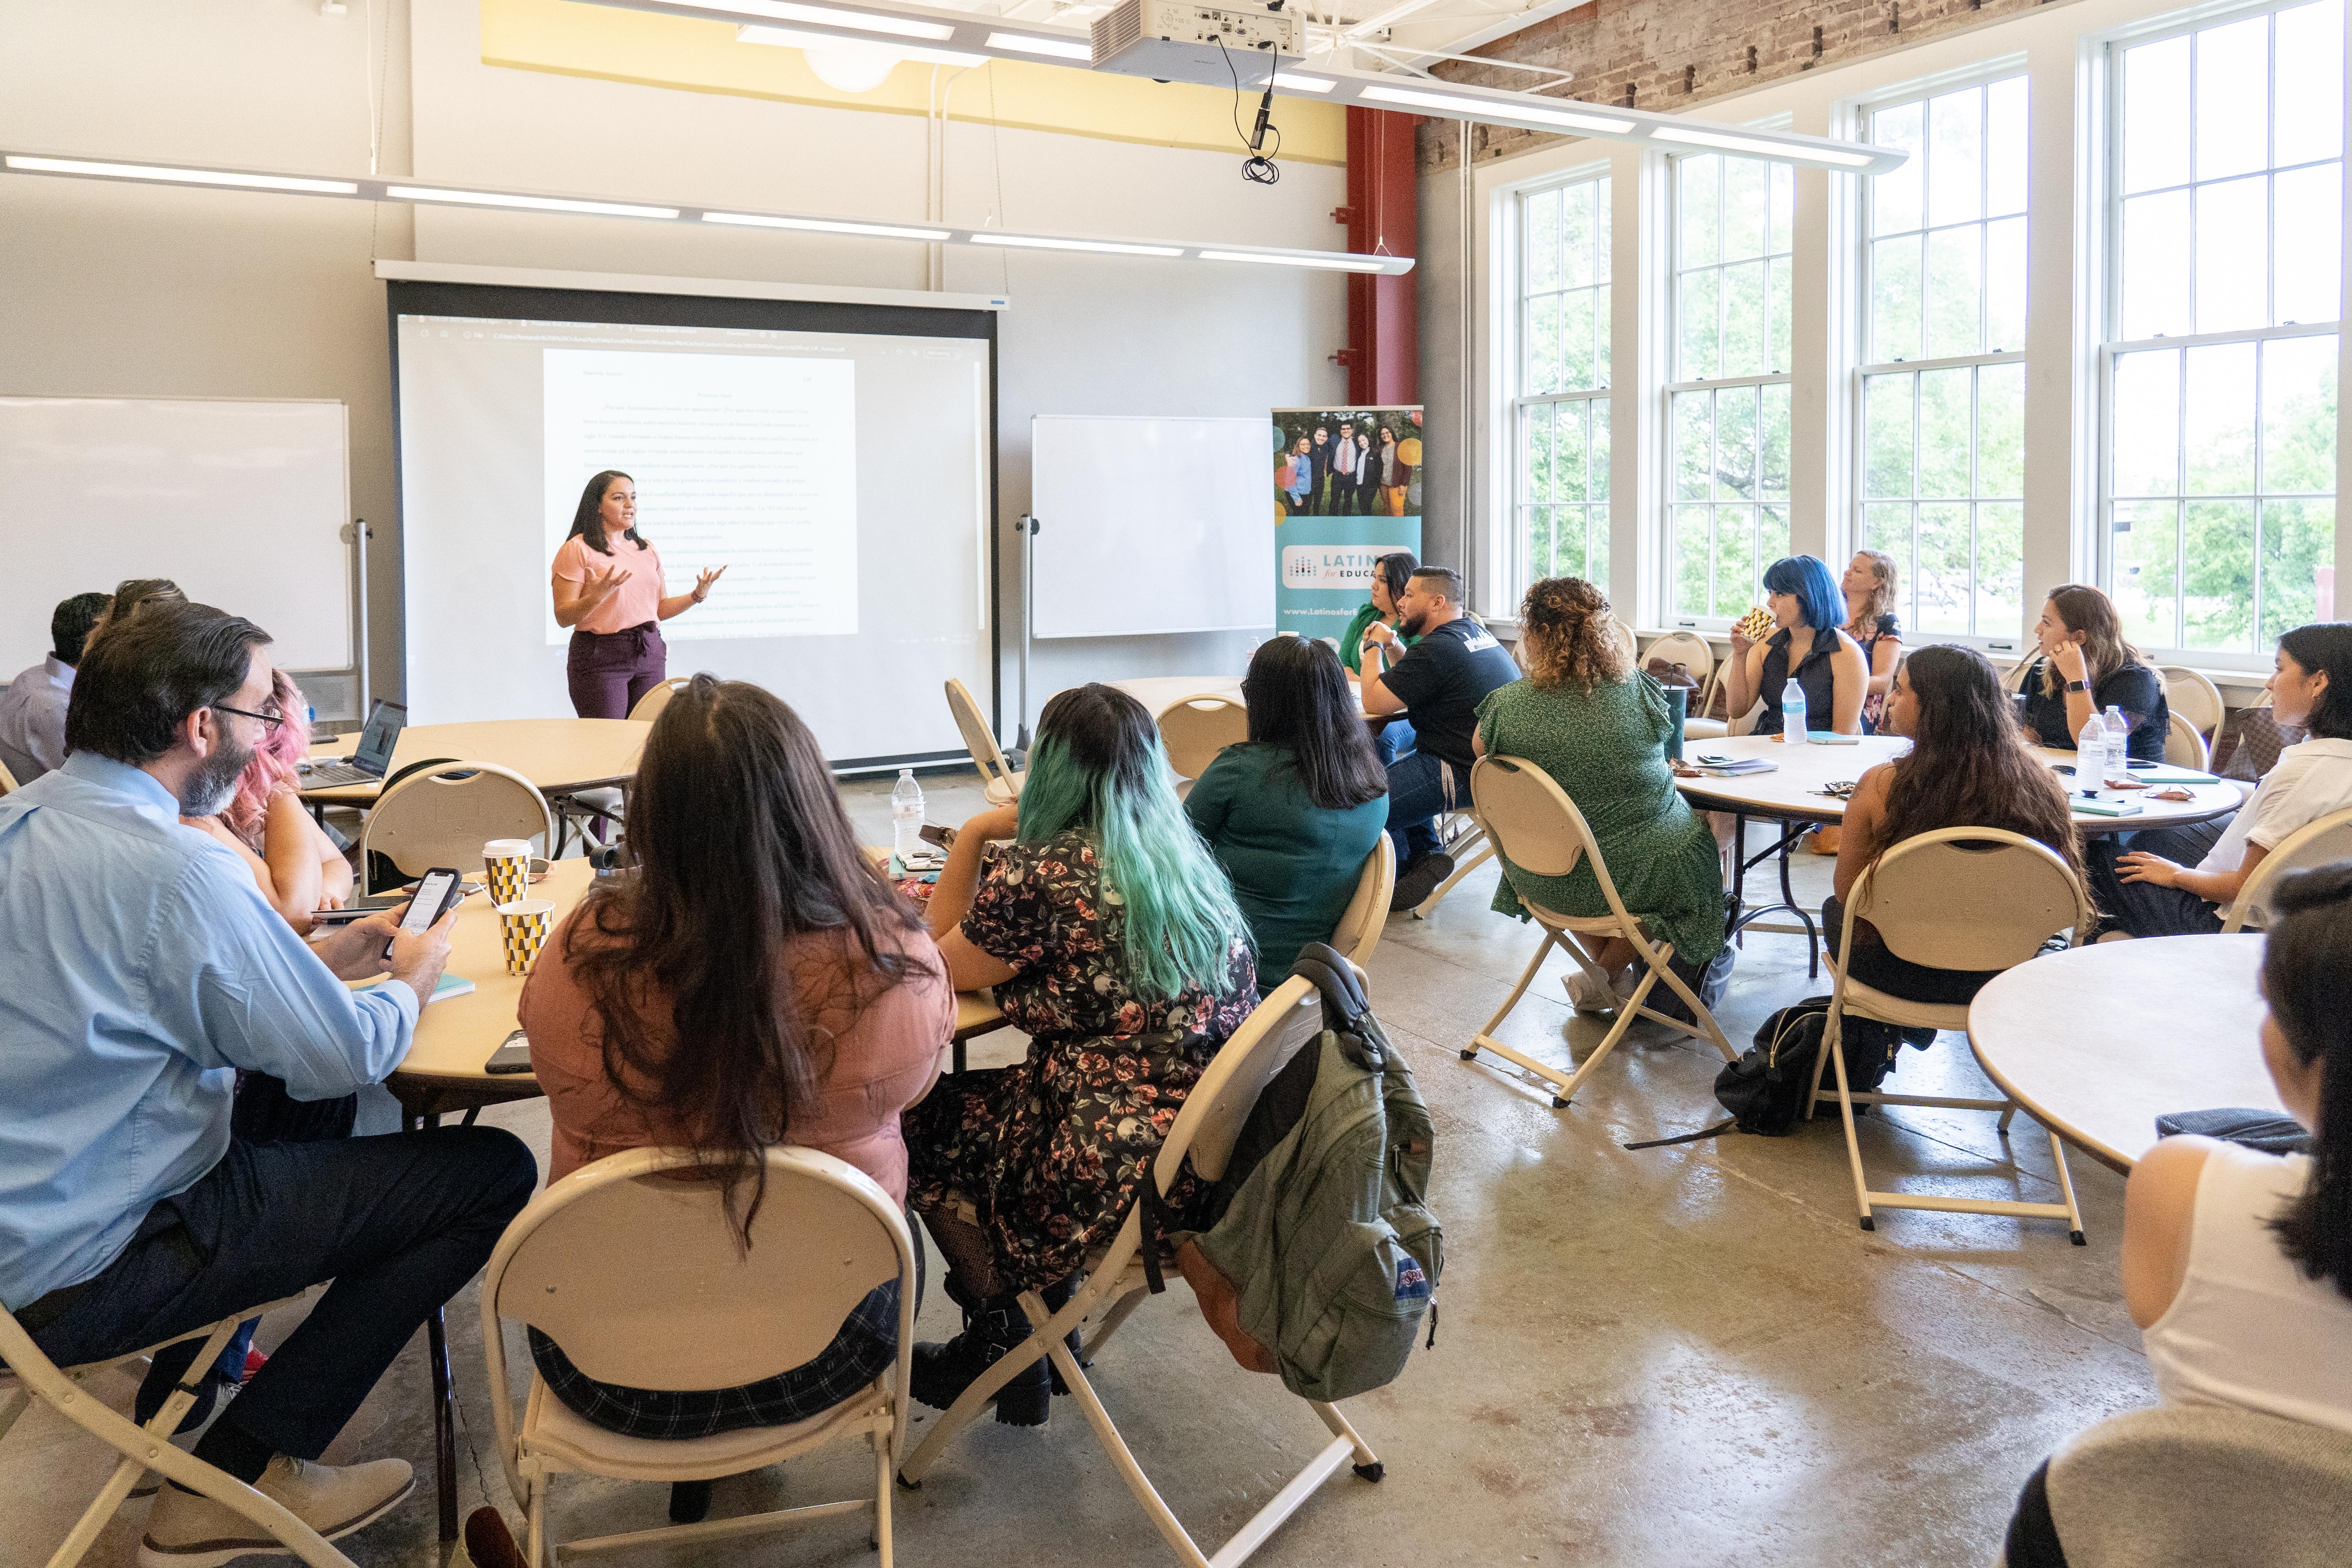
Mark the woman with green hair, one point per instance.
(1112, 937)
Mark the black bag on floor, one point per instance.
(1765, 1089)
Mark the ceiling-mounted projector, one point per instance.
(1211, 45)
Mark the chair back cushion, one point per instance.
(2185, 1484)
(1969, 897)
(642, 1278)
(1213, 1112)
(1367, 914)
(978, 739)
(1530, 818)
(1197, 728)
(444, 815)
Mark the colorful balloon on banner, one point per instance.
(1410, 449)
(1286, 475)
(1280, 441)
(1414, 416)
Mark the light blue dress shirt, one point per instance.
(139, 966)
(33, 719)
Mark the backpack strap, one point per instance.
(1345, 1008)
(1157, 1222)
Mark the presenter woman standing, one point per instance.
(609, 592)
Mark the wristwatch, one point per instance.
(2076, 686)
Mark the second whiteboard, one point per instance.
(1151, 526)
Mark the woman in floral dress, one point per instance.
(1112, 939)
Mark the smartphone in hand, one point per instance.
(436, 894)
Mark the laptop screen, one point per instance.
(384, 721)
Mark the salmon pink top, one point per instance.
(638, 598)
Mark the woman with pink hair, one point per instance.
(296, 866)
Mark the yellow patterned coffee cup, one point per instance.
(507, 862)
(522, 929)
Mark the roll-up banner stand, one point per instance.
(1347, 490)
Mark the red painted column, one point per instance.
(1384, 353)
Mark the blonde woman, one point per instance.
(1599, 727)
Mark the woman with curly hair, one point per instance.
(1599, 727)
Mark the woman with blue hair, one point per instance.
(1810, 644)
(1113, 939)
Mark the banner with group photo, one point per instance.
(1347, 490)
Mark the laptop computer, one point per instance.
(372, 759)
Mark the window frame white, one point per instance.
(2107, 267)
(1859, 500)
(1667, 265)
(1518, 401)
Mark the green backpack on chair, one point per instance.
(1319, 1233)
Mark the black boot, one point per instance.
(1056, 1296)
(688, 1501)
(942, 1372)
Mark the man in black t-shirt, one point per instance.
(1441, 681)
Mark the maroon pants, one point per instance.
(610, 670)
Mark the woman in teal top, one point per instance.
(1389, 574)
(1291, 813)
(1599, 727)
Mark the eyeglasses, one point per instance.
(271, 720)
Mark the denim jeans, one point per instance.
(1420, 786)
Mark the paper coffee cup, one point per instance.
(507, 863)
(523, 926)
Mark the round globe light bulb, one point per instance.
(852, 67)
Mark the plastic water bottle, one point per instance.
(2118, 745)
(1792, 716)
(906, 816)
(2090, 755)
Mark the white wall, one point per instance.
(159, 292)
(2057, 48)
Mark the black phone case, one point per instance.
(456, 896)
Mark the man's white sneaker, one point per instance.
(185, 1531)
(1587, 994)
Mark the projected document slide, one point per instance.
(744, 462)
(841, 477)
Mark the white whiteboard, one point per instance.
(1150, 526)
(242, 503)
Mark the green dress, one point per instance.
(1351, 642)
(1294, 865)
(1608, 751)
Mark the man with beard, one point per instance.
(144, 968)
(1440, 680)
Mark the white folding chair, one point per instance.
(1939, 903)
(36, 1377)
(1204, 1129)
(1539, 830)
(1627, 642)
(641, 1279)
(2317, 843)
(998, 782)
(443, 814)
(649, 707)
(1691, 651)
(1195, 729)
(2184, 747)
(1367, 914)
(2192, 696)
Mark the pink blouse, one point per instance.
(872, 1061)
(638, 598)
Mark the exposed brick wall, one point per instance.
(1655, 48)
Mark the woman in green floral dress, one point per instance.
(1597, 725)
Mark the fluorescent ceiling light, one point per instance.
(535, 204)
(828, 225)
(1029, 44)
(1297, 83)
(827, 16)
(1331, 263)
(1781, 151)
(791, 38)
(1039, 242)
(1497, 110)
(190, 176)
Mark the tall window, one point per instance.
(2224, 290)
(1727, 406)
(1942, 402)
(1563, 409)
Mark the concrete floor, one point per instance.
(1685, 1355)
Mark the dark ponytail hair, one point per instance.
(2326, 647)
(588, 522)
(1395, 569)
(1298, 699)
(2304, 967)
